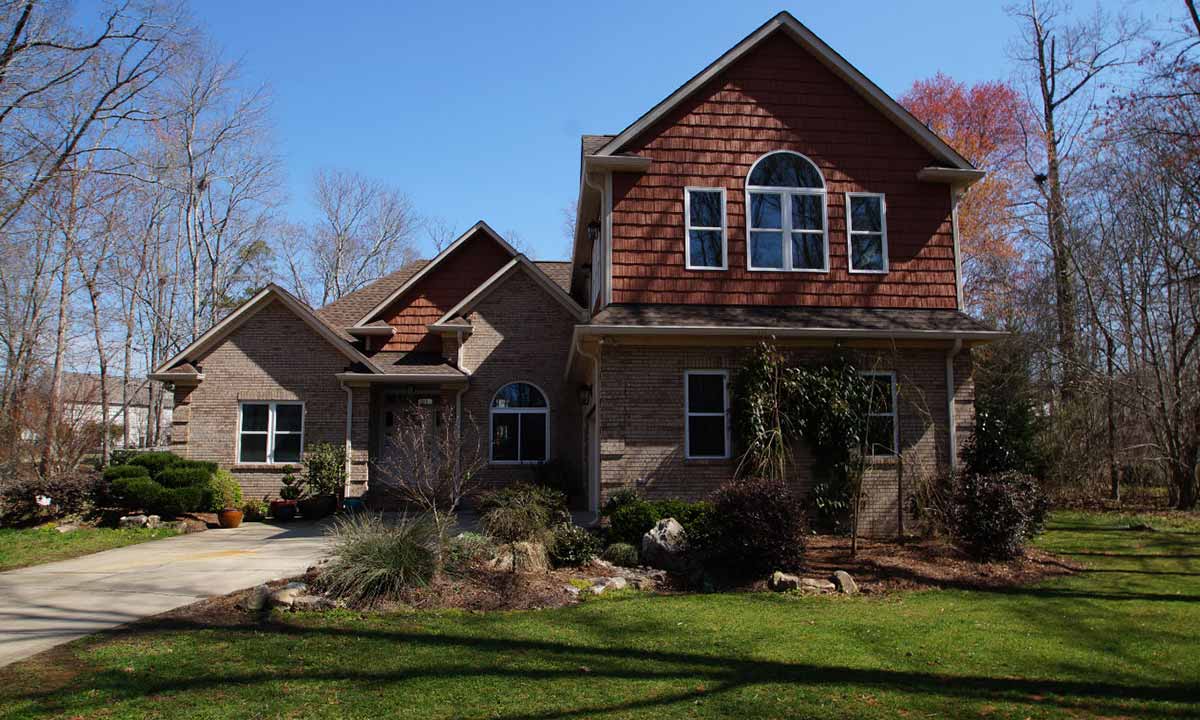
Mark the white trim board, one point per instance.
(823, 53)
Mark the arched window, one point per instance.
(520, 424)
(785, 195)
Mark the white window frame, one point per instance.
(270, 431)
(687, 414)
(894, 414)
(688, 228)
(786, 216)
(492, 412)
(851, 232)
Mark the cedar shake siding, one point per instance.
(465, 269)
(778, 97)
(258, 361)
(642, 423)
(521, 334)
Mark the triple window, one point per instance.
(270, 432)
(706, 415)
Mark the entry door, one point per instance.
(396, 411)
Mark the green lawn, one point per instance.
(1119, 640)
(21, 548)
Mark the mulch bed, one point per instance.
(882, 567)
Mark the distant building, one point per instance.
(81, 404)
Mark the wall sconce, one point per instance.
(585, 395)
(593, 231)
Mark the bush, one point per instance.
(70, 494)
(622, 554)
(618, 500)
(522, 511)
(831, 501)
(756, 526)
(181, 500)
(324, 469)
(994, 516)
(254, 510)
(226, 492)
(181, 477)
(572, 546)
(137, 492)
(155, 462)
(629, 522)
(375, 559)
(113, 472)
(466, 550)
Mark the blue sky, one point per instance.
(474, 110)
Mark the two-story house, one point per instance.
(777, 194)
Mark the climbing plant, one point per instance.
(827, 405)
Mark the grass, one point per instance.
(1117, 640)
(33, 546)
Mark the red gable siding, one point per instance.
(779, 97)
(473, 262)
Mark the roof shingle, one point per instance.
(790, 317)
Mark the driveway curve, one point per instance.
(47, 605)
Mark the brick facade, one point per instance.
(642, 421)
(259, 361)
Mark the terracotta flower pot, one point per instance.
(229, 518)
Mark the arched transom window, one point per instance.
(520, 424)
(785, 195)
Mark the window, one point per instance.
(866, 229)
(270, 432)
(520, 425)
(785, 195)
(882, 429)
(706, 432)
(704, 213)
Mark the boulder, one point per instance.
(782, 582)
(68, 527)
(312, 602)
(256, 599)
(127, 522)
(153, 521)
(601, 585)
(286, 595)
(665, 545)
(531, 558)
(816, 585)
(845, 584)
(571, 590)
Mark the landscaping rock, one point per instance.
(286, 596)
(782, 582)
(531, 558)
(127, 522)
(312, 602)
(816, 585)
(602, 585)
(256, 599)
(845, 584)
(68, 527)
(153, 521)
(571, 590)
(664, 546)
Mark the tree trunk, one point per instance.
(1114, 476)
(50, 439)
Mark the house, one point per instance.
(82, 405)
(777, 194)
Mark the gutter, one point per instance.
(738, 330)
(401, 378)
(953, 436)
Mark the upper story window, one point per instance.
(785, 194)
(704, 213)
(520, 424)
(866, 228)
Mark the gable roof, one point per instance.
(552, 287)
(415, 278)
(348, 309)
(785, 22)
(217, 333)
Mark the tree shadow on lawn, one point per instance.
(717, 675)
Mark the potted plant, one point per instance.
(324, 478)
(284, 509)
(227, 496)
(255, 510)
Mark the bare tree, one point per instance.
(364, 231)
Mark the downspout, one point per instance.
(950, 355)
(349, 429)
(594, 463)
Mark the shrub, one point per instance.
(832, 501)
(69, 493)
(374, 559)
(226, 492)
(572, 546)
(181, 500)
(468, 549)
(254, 510)
(113, 472)
(181, 477)
(757, 526)
(324, 469)
(155, 462)
(534, 501)
(618, 500)
(994, 516)
(622, 554)
(137, 492)
(122, 456)
(207, 465)
(629, 522)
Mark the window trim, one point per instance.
(851, 232)
(894, 414)
(687, 414)
(270, 431)
(687, 229)
(786, 215)
(493, 410)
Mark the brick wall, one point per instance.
(258, 361)
(642, 420)
(778, 97)
(520, 333)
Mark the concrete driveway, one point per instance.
(47, 605)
